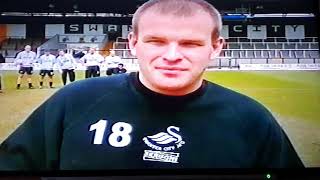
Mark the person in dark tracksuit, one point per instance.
(120, 69)
(67, 65)
(165, 116)
(117, 70)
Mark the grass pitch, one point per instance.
(292, 96)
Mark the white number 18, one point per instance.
(120, 136)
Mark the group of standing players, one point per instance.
(64, 62)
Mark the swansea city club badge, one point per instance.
(164, 145)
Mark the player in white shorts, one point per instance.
(47, 62)
(25, 60)
(92, 60)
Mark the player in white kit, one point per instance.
(92, 60)
(25, 60)
(112, 60)
(47, 62)
(67, 65)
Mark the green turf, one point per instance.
(288, 93)
(9, 79)
(291, 94)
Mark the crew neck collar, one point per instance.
(162, 98)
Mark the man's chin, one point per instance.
(170, 86)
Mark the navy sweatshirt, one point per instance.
(117, 123)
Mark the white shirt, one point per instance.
(113, 61)
(66, 62)
(92, 59)
(47, 61)
(26, 59)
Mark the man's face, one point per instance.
(112, 53)
(27, 48)
(91, 50)
(61, 53)
(173, 51)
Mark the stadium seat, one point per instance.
(12, 53)
(307, 39)
(286, 54)
(313, 54)
(274, 45)
(269, 40)
(244, 40)
(232, 39)
(281, 40)
(314, 45)
(299, 54)
(293, 40)
(289, 45)
(234, 46)
(274, 53)
(227, 53)
(242, 54)
(260, 46)
(9, 44)
(265, 54)
(235, 54)
(250, 54)
(302, 45)
(256, 40)
(261, 54)
(247, 46)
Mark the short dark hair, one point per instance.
(179, 8)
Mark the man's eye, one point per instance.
(155, 42)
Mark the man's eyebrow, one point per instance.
(152, 37)
(198, 41)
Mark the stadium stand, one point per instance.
(11, 46)
(241, 46)
(272, 47)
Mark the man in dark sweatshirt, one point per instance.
(164, 116)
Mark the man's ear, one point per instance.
(217, 47)
(133, 39)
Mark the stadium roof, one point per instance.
(129, 6)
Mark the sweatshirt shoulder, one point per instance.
(240, 106)
(227, 96)
(93, 87)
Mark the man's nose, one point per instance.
(172, 53)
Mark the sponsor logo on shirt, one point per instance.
(160, 156)
(163, 143)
